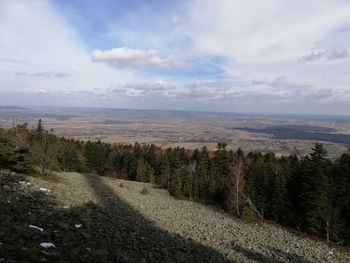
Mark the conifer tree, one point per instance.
(187, 180)
(201, 177)
(220, 173)
(176, 183)
(165, 172)
(315, 200)
(341, 199)
(141, 171)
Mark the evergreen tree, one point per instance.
(220, 173)
(279, 198)
(187, 180)
(141, 172)
(314, 198)
(175, 188)
(150, 177)
(165, 172)
(68, 156)
(257, 184)
(201, 176)
(341, 197)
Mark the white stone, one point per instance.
(24, 182)
(47, 245)
(37, 228)
(44, 190)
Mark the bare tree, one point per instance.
(235, 192)
(191, 168)
(20, 135)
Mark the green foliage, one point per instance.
(315, 199)
(68, 156)
(12, 155)
(163, 179)
(341, 197)
(16, 160)
(97, 156)
(202, 174)
(175, 187)
(187, 181)
(144, 172)
(248, 214)
(221, 169)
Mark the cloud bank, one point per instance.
(128, 57)
(329, 55)
(200, 54)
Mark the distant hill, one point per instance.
(12, 108)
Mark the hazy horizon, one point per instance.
(275, 57)
(263, 114)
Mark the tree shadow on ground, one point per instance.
(110, 232)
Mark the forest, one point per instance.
(310, 193)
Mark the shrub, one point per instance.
(144, 191)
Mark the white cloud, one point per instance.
(37, 41)
(42, 74)
(128, 57)
(330, 54)
(62, 74)
(256, 31)
(263, 40)
(281, 82)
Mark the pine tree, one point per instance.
(201, 177)
(68, 156)
(187, 180)
(341, 199)
(39, 131)
(165, 172)
(220, 173)
(176, 183)
(279, 197)
(150, 177)
(315, 201)
(141, 172)
(257, 184)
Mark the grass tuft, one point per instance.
(144, 191)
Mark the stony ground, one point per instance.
(92, 219)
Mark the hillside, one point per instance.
(96, 219)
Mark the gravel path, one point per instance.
(108, 220)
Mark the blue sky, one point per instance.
(230, 55)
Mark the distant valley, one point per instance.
(282, 134)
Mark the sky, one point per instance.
(273, 56)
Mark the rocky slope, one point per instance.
(85, 218)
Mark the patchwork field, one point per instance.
(283, 134)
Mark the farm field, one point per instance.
(282, 134)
